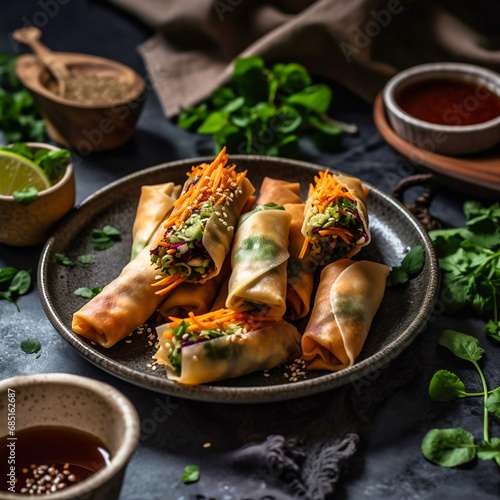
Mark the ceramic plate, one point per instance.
(402, 315)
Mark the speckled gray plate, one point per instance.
(402, 315)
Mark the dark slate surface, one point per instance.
(388, 464)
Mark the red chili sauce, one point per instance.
(449, 102)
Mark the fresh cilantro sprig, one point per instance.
(411, 265)
(105, 238)
(191, 474)
(452, 447)
(469, 258)
(13, 284)
(19, 118)
(264, 111)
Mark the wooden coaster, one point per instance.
(477, 174)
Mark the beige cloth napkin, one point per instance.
(359, 43)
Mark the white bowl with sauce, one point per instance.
(72, 413)
(447, 108)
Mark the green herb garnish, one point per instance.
(30, 346)
(191, 474)
(264, 111)
(105, 238)
(65, 261)
(26, 196)
(86, 259)
(19, 117)
(53, 163)
(469, 258)
(13, 284)
(88, 293)
(452, 447)
(411, 265)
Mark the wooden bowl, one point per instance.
(24, 225)
(86, 127)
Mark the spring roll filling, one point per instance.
(334, 226)
(215, 324)
(180, 249)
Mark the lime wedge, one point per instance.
(17, 173)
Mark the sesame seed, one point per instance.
(207, 445)
(266, 375)
(230, 228)
(195, 358)
(128, 342)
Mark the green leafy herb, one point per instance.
(104, 238)
(411, 265)
(86, 259)
(65, 261)
(88, 293)
(449, 447)
(54, 163)
(7, 273)
(191, 474)
(461, 345)
(492, 404)
(490, 451)
(30, 346)
(26, 196)
(265, 110)
(469, 258)
(19, 117)
(446, 386)
(13, 284)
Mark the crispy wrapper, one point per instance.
(348, 297)
(259, 259)
(234, 355)
(122, 306)
(155, 203)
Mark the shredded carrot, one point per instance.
(172, 285)
(168, 334)
(304, 249)
(220, 319)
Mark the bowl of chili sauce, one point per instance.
(447, 108)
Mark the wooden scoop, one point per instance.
(30, 36)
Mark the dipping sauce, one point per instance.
(48, 459)
(449, 102)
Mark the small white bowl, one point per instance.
(60, 399)
(444, 139)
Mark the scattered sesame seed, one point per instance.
(230, 228)
(207, 445)
(150, 343)
(266, 375)
(195, 358)
(128, 342)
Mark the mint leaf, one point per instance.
(30, 346)
(397, 276)
(446, 386)
(26, 196)
(461, 345)
(54, 163)
(191, 474)
(449, 447)
(111, 231)
(314, 98)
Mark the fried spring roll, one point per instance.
(336, 221)
(348, 297)
(224, 344)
